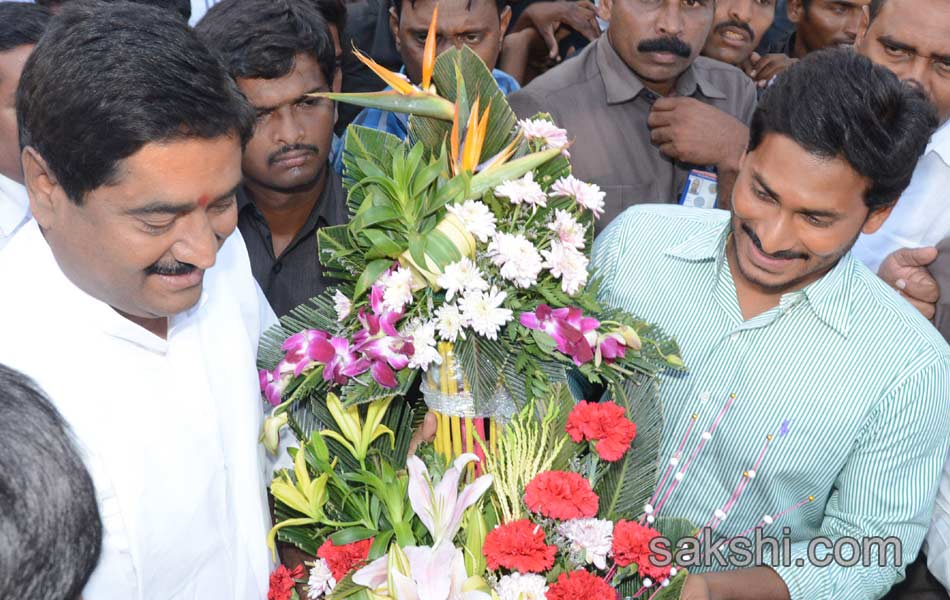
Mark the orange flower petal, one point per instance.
(428, 54)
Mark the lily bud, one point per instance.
(630, 337)
(675, 360)
(271, 435)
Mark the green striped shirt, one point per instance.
(862, 380)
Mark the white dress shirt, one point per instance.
(922, 215)
(14, 208)
(169, 427)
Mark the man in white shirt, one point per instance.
(131, 298)
(21, 26)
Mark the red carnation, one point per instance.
(580, 585)
(561, 495)
(605, 423)
(343, 559)
(632, 546)
(518, 546)
(282, 582)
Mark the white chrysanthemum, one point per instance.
(546, 132)
(587, 195)
(567, 264)
(478, 219)
(321, 581)
(449, 322)
(397, 289)
(342, 305)
(461, 276)
(568, 230)
(424, 351)
(521, 587)
(524, 190)
(483, 312)
(517, 257)
(592, 537)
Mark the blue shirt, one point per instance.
(398, 123)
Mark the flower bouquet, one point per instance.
(465, 261)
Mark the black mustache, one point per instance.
(178, 268)
(276, 156)
(737, 24)
(780, 255)
(669, 44)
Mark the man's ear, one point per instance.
(795, 11)
(394, 28)
(876, 218)
(603, 9)
(44, 190)
(504, 19)
(865, 25)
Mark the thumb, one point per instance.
(547, 33)
(915, 257)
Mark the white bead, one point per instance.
(751, 474)
(679, 476)
(674, 461)
(673, 571)
(720, 515)
(704, 397)
(707, 436)
(650, 519)
(768, 520)
(665, 583)
(647, 582)
(648, 509)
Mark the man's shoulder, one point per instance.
(728, 79)
(671, 221)
(561, 81)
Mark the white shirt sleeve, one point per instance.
(937, 544)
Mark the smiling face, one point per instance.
(739, 27)
(794, 215)
(293, 134)
(659, 39)
(473, 23)
(911, 38)
(825, 23)
(142, 243)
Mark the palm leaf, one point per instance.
(628, 483)
(482, 361)
(365, 144)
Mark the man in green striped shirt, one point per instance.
(794, 338)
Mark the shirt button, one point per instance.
(277, 268)
(734, 337)
(704, 397)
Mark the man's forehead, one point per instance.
(921, 24)
(306, 76)
(453, 14)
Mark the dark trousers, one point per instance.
(919, 584)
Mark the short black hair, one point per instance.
(21, 24)
(107, 79)
(50, 525)
(181, 7)
(333, 12)
(397, 6)
(875, 8)
(261, 38)
(837, 103)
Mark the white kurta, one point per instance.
(170, 428)
(14, 208)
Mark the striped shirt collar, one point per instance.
(830, 298)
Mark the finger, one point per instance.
(915, 257)
(669, 149)
(589, 29)
(665, 104)
(925, 308)
(659, 119)
(770, 71)
(547, 34)
(661, 135)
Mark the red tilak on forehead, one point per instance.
(203, 200)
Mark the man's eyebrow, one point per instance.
(768, 191)
(891, 42)
(159, 207)
(316, 90)
(828, 214)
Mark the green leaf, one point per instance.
(373, 216)
(450, 192)
(441, 248)
(417, 249)
(334, 245)
(629, 483)
(544, 341)
(481, 361)
(373, 272)
(380, 545)
(352, 534)
(301, 537)
(381, 245)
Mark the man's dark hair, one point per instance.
(875, 8)
(50, 523)
(181, 7)
(260, 38)
(21, 24)
(107, 79)
(838, 104)
(397, 5)
(333, 12)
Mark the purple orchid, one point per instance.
(387, 354)
(567, 326)
(272, 384)
(303, 349)
(344, 363)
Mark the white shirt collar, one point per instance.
(14, 206)
(940, 143)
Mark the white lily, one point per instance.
(421, 573)
(441, 507)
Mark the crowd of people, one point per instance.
(776, 179)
